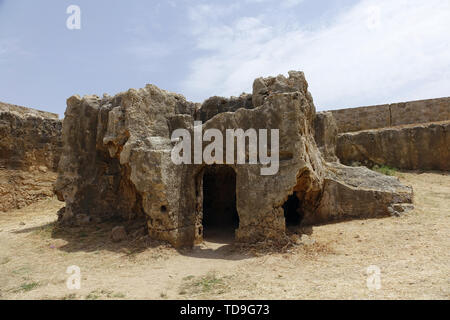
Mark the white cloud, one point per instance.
(282, 3)
(148, 50)
(291, 3)
(378, 51)
(11, 48)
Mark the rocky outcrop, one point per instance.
(284, 104)
(357, 192)
(420, 146)
(216, 105)
(20, 188)
(29, 154)
(116, 162)
(29, 138)
(325, 134)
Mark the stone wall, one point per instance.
(387, 115)
(420, 146)
(410, 135)
(29, 154)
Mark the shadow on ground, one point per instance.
(97, 237)
(217, 244)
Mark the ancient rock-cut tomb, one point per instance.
(116, 162)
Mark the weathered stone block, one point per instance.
(325, 134)
(421, 146)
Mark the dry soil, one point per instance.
(412, 253)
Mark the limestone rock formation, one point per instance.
(20, 188)
(284, 104)
(29, 154)
(325, 134)
(357, 192)
(216, 105)
(116, 162)
(29, 138)
(419, 146)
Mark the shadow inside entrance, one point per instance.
(220, 216)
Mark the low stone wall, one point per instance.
(412, 147)
(362, 118)
(29, 154)
(388, 115)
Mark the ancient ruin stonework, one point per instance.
(325, 134)
(29, 138)
(116, 162)
(409, 135)
(29, 155)
(413, 147)
(390, 115)
(357, 192)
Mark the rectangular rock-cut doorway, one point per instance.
(220, 216)
(293, 214)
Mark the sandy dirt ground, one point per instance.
(412, 253)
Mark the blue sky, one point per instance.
(353, 52)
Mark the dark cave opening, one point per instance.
(292, 211)
(220, 215)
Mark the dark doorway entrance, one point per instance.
(292, 212)
(220, 217)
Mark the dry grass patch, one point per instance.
(209, 284)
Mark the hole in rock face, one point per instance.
(220, 217)
(292, 211)
(163, 209)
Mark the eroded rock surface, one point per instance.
(413, 147)
(29, 154)
(116, 162)
(284, 104)
(357, 192)
(28, 138)
(19, 188)
(325, 134)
